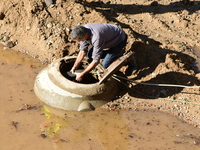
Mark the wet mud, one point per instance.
(27, 123)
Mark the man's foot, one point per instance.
(132, 67)
(130, 71)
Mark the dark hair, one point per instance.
(78, 32)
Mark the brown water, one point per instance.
(28, 124)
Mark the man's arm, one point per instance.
(79, 58)
(92, 65)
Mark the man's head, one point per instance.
(79, 33)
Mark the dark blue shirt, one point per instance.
(102, 36)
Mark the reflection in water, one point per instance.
(89, 130)
(118, 130)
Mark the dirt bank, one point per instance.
(161, 33)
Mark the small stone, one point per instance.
(195, 126)
(36, 56)
(198, 76)
(49, 2)
(6, 38)
(154, 3)
(148, 123)
(2, 16)
(67, 29)
(49, 25)
(9, 44)
(157, 35)
(28, 28)
(44, 37)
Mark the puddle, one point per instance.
(28, 124)
(117, 130)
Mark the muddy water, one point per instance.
(28, 124)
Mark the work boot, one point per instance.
(132, 67)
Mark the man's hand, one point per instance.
(79, 76)
(72, 70)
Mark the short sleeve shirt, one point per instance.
(102, 36)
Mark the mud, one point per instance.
(41, 127)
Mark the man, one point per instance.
(100, 37)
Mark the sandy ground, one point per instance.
(163, 34)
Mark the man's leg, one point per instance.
(109, 56)
(113, 53)
(132, 66)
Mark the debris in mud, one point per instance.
(197, 141)
(24, 107)
(148, 123)
(13, 123)
(189, 137)
(43, 135)
(27, 107)
(177, 142)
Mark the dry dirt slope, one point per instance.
(162, 33)
(42, 30)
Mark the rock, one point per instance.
(154, 3)
(49, 25)
(28, 28)
(49, 2)
(2, 16)
(6, 38)
(1, 36)
(9, 44)
(198, 76)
